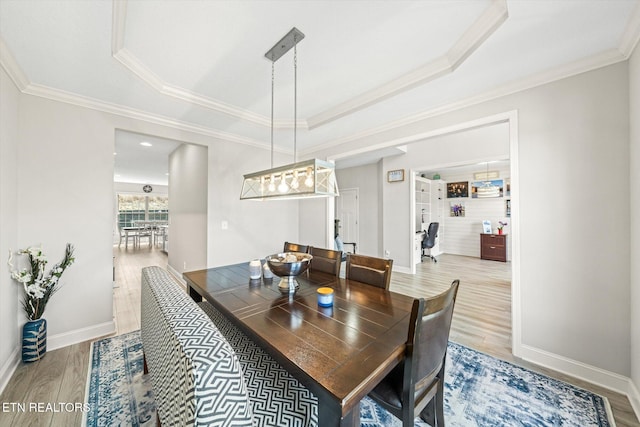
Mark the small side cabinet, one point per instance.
(493, 247)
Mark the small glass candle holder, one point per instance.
(266, 272)
(325, 297)
(255, 269)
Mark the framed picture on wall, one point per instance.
(457, 189)
(456, 209)
(487, 189)
(395, 175)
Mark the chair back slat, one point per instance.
(429, 336)
(326, 260)
(371, 270)
(296, 247)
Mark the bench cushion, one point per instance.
(277, 398)
(197, 379)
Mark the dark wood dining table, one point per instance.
(339, 353)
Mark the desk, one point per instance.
(338, 353)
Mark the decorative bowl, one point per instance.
(288, 265)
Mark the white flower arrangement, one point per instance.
(38, 287)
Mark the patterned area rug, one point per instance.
(479, 391)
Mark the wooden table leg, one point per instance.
(194, 294)
(327, 416)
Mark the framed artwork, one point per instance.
(395, 175)
(457, 189)
(486, 226)
(456, 209)
(487, 189)
(508, 208)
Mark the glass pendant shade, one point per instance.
(311, 178)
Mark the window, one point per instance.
(141, 208)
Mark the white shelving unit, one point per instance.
(429, 200)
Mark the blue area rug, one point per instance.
(480, 390)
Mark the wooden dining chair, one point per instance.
(326, 260)
(295, 247)
(416, 386)
(369, 270)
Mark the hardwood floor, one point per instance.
(482, 320)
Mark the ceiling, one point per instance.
(142, 164)
(362, 66)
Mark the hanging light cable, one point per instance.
(320, 178)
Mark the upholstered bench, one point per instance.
(204, 371)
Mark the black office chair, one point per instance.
(429, 240)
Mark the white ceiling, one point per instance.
(362, 66)
(140, 164)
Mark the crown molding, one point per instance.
(495, 15)
(139, 69)
(8, 62)
(119, 110)
(603, 59)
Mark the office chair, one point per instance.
(429, 240)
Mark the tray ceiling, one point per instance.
(199, 65)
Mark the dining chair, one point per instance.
(326, 260)
(295, 247)
(416, 386)
(370, 270)
(126, 235)
(147, 232)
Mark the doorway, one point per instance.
(348, 214)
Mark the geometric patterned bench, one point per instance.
(277, 398)
(203, 374)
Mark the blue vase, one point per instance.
(34, 340)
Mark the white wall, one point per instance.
(367, 180)
(634, 167)
(188, 165)
(573, 144)
(255, 229)
(461, 234)
(9, 290)
(65, 163)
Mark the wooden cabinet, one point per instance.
(493, 247)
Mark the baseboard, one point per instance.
(176, 275)
(400, 269)
(9, 368)
(79, 335)
(591, 374)
(634, 398)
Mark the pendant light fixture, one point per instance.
(487, 189)
(310, 178)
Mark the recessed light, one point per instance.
(115, 154)
(146, 144)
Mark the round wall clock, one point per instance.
(147, 189)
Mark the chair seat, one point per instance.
(389, 389)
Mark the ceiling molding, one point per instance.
(479, 32)
(604, 59)
(106, 107)
(139, 69)
(631, 35)
(10, 65)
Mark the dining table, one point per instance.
(340, 353)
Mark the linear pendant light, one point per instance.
(310, 178)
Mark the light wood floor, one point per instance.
(482, 320)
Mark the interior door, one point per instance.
(348, 214)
